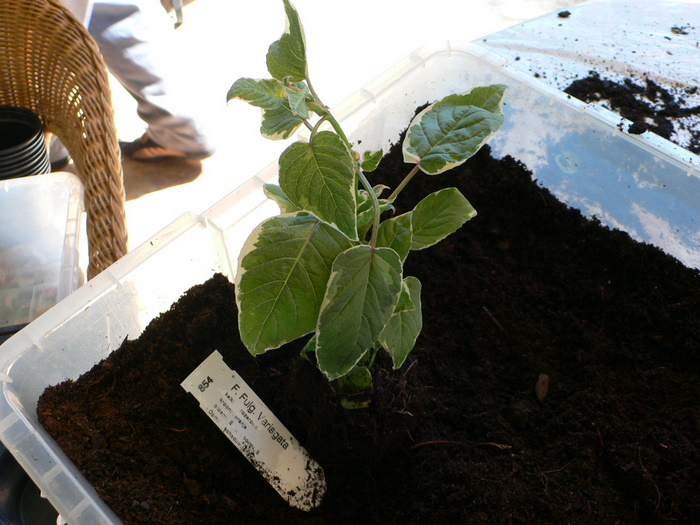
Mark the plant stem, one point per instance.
(372, 357)
(405, 181)
(314, 128)
(375, 204)
(325, 113)
(312, 90)
(338, 129)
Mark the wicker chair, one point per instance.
(50, 64)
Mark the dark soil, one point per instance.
(649, 106)
(555, 381)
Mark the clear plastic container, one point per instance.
(40, 224)
(577, 151)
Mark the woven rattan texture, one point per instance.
(50, 64)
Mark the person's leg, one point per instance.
(133, 37)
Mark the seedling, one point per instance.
(331, 264)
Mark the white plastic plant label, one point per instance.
(256, 432)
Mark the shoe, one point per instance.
(59, 157)
(60, 164)
(144, 149)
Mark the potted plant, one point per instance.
(331, 264)
(553, 354)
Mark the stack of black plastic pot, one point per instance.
(23, 152)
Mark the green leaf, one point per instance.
(378, 189)
(280, 122)
(296, 94)
(405, 302)
(355, 388)
(318, 176)
(275, 193)
(281, 280)
(365, 216)
(400, 334)
(396, 233)
(364, 203)
(371, 159)
(266, 94)
(489, 98)
(448, 132)
(309, 347)
(438, 215)
(286, 58)
(362, 293)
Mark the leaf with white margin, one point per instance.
(365, 203)
(296, 94)
(319, 176)
(286, 57)
(275, 193)
(448, 132)
(489, 98)
(438, 215)
(283, 270)
(400, 334)
(405, 302)
(266, 93)
(396, 233)
(362, 294)
(365, 217)
(280, 123)
(371, 159)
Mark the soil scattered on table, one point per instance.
(649, 106)
(555, 381)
